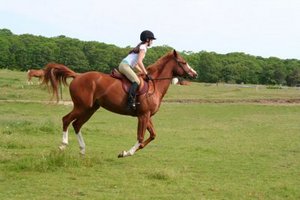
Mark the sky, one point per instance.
(257, 27)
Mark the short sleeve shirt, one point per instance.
(132, 58)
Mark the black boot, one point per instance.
(132, 96)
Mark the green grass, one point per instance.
(202, 151)
(227, 92)
(14, 86)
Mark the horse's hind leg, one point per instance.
(29, 81)
(66, 122)
(80, 120)
(40, 80)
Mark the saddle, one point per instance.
(143, 88)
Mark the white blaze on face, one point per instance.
(175, 81)
(191, 69)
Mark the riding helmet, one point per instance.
(147, 35)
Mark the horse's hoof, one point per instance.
(62, 147)
(122, 154)
(82, 151)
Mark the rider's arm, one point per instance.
(137, 67)
(140, 61)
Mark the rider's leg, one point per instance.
(132, 95)
(131, 75)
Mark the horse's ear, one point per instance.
(175, 53)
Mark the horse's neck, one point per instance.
(163, 74)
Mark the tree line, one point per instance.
(26, 51)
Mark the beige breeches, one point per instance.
(128, 72)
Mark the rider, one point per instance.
(134, 61)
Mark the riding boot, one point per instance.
(132, 96)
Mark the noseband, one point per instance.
(180, 64)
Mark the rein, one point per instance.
(168, 78)
(159, 79)
(180, 65)
(154, 85)
(184, 69)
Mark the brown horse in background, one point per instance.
(39, 73)
(92, 90)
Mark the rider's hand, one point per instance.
(148, 77)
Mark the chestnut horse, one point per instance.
(92, 90)
(39, 73)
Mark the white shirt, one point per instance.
(132, 58)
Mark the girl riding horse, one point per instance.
(134, 61)
(92, 90)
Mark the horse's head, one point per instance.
(182, 68)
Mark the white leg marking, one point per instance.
(81, 143)
(65, 140)
(131, 151)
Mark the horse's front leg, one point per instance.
(152, 136)
(143, 122)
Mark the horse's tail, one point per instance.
(56, 74)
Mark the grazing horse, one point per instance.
(39, 73)
(92, 90)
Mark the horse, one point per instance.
(39, 73)
(91, 90)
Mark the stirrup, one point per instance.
(132, 103)
(133, 106)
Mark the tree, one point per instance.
(5, 32)
(4, 52)
(28, 51)
(71, 54)
(294, 78)
(209, 68)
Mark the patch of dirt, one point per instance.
(257, 101)
(187, 101)
(36, 101)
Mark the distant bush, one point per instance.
(23, 52)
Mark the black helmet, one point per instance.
(147, 35)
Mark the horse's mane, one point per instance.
(160, 62)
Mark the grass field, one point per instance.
(202, 151)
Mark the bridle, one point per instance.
(180, 64)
